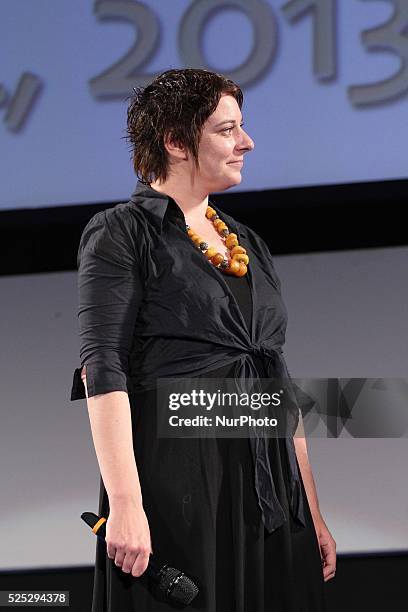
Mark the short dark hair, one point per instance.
(177, 102)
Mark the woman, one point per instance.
(170, 286)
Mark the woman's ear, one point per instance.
(173, 147)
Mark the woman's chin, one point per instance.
(234, 178)
(237, 180)
(226, 182)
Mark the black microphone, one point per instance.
(176, 586)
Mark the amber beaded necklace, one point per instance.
(238, 261)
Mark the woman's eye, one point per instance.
(230, 128)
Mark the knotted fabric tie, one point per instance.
(273, 515)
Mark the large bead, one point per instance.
(231, 237)
(230, 241)
(217, 259)
(221, 227)
(211, 251)
(241, 257)
(237, 249)
(242, 269)
(233, 266)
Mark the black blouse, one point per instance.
(152, 306)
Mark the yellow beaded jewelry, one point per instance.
(238, 262)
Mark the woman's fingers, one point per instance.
(329, 568)
(129, 560)
(110, 550)
(119, 557)
(116, 553)
(329, 575)
(128, 539)
(134, 559)
(141, 563)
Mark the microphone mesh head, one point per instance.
(177, 586)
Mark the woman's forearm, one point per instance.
(111, 427)
(307, 476)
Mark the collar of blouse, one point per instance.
(157, 205)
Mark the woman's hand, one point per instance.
(327, 547)
(128, 536)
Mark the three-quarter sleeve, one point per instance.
(110, 290)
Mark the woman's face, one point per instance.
(221, 146)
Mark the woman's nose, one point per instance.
(247, 143)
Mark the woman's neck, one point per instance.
(193, 201)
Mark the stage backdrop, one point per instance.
(325, 87)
